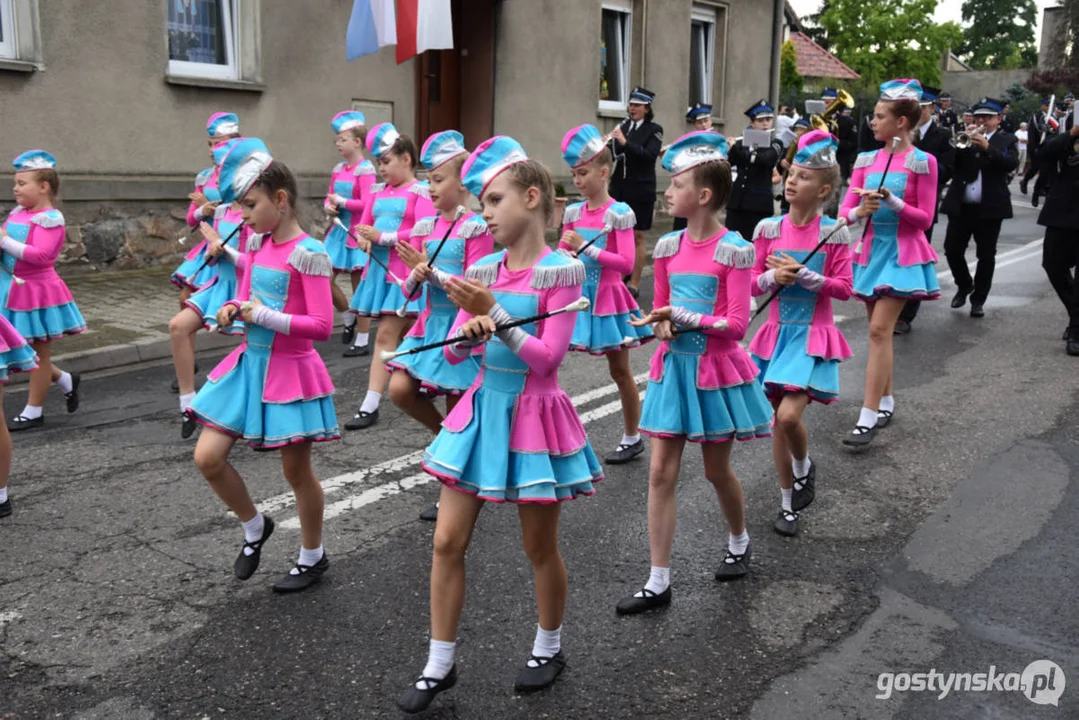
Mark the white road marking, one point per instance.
(9, 616)
(1003, 259)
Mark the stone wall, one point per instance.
(968, 87)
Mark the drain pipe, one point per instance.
(777, 48)
(644, 41)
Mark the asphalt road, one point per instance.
(949, 545)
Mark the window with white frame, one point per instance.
(614, 57)
(702, 54)
(8, 48)
(203, 38)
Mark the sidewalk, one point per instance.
(127, 315)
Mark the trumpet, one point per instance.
(965, 139)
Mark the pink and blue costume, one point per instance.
(222, 287)
(274, 389)
(515, 435)
(702, 385)
(352, 185)
(604, 327)
(16, 355)
(393, 211)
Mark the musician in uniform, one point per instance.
(637, 144)
(1060, 216)
(936, 141)
(945, 115)
(978, 201)
(699, 116)
(848, 142)
(1039, 125)
(751, 196)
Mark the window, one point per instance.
(8, 49)
(702, 54)
(614, 58)
(202, 38)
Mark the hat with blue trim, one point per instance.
(816, 150)
(34, 160)
(930, 95)
(380, 139)
(582, 144)
(988, 106)
(640, 96)
(693, 149)
(244, 162)
(347, 120)
(488, 160)
(697, 111)
(442, 147)
(760, 109)
(901, 89)
(222, 125)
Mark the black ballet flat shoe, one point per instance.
(176, 381)
(5, 508)
(430, 514)
(787, 523)
(547, 670)
(734, 567)
(902, 327)
(348, 334)
(357, 351)
(805, 488)
(415, 700)
(19, 423)
(308, 576)
(624, 453)
(883, 418)
(73, 396)
(189, 425)
(636, 293)
(362, 420)
(642, 601)
(977, 310)
(960, 299)
(246, 565)
(860, 436)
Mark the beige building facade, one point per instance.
(119, 91)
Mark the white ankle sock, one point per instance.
(186, 400)
(371, 401)
(253, 531)
(547, 644)
(887, 403)
(738, 543)
(31, 412)
(308, 558)
(867, 418)
(631, 439)
(659, 579)
(64, 382)
(3, 494)
(787, 498)
(800, 467)
(348, 318)
(360, 340)
(440, 657)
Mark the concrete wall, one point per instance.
(968, 87)
(1051, 43)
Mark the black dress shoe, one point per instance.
(1023, 185)
(734, 567)
(860, 436)
(1067, 334)
(642, 601)
(73, 396)
(5, 508)
(547, 670)
(1072, 348)
(430, 514)
(902, 327)
(362, 420)
(977, 310)
(19, 422)
(246, 565)
(415, 700)
(960, 299)
(348, 334)
(1035, 198)
(625, 453)
(307, 576)
(189, 425)
(805, 488)
(787, 523)
(357, 351)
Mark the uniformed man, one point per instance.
(699, 116)
(945, 115)
(751, 195)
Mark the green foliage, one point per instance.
(882, 41)
(559, 190)
(812, 27)
(1024, 103)
(789, 79)
(1000, 34)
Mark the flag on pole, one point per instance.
(423, 25)
(372, 25)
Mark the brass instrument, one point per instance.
(964, 139)
(825, 122)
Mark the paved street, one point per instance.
(947, 545)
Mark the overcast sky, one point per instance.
(946, 10)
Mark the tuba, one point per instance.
(826, 120)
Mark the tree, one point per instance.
(811, 26)
(790, 82)
(1000, 34)
(884, 41)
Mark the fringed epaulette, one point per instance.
(423, 227)
(865, 159)
(473, 227)
(733, 250)
(377, 187)
(338, 167)
(573, 213)
(364, 168)
(486, 268)
(48, 218)
(219, 211)
(620, 217)
(837, 237)
(917, 162)
(667, 246)
(768, 228)
(255, 242)
(557, 270)
(310, 258)
(420, 188)
(204, 177)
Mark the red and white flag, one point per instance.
(423, 25)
